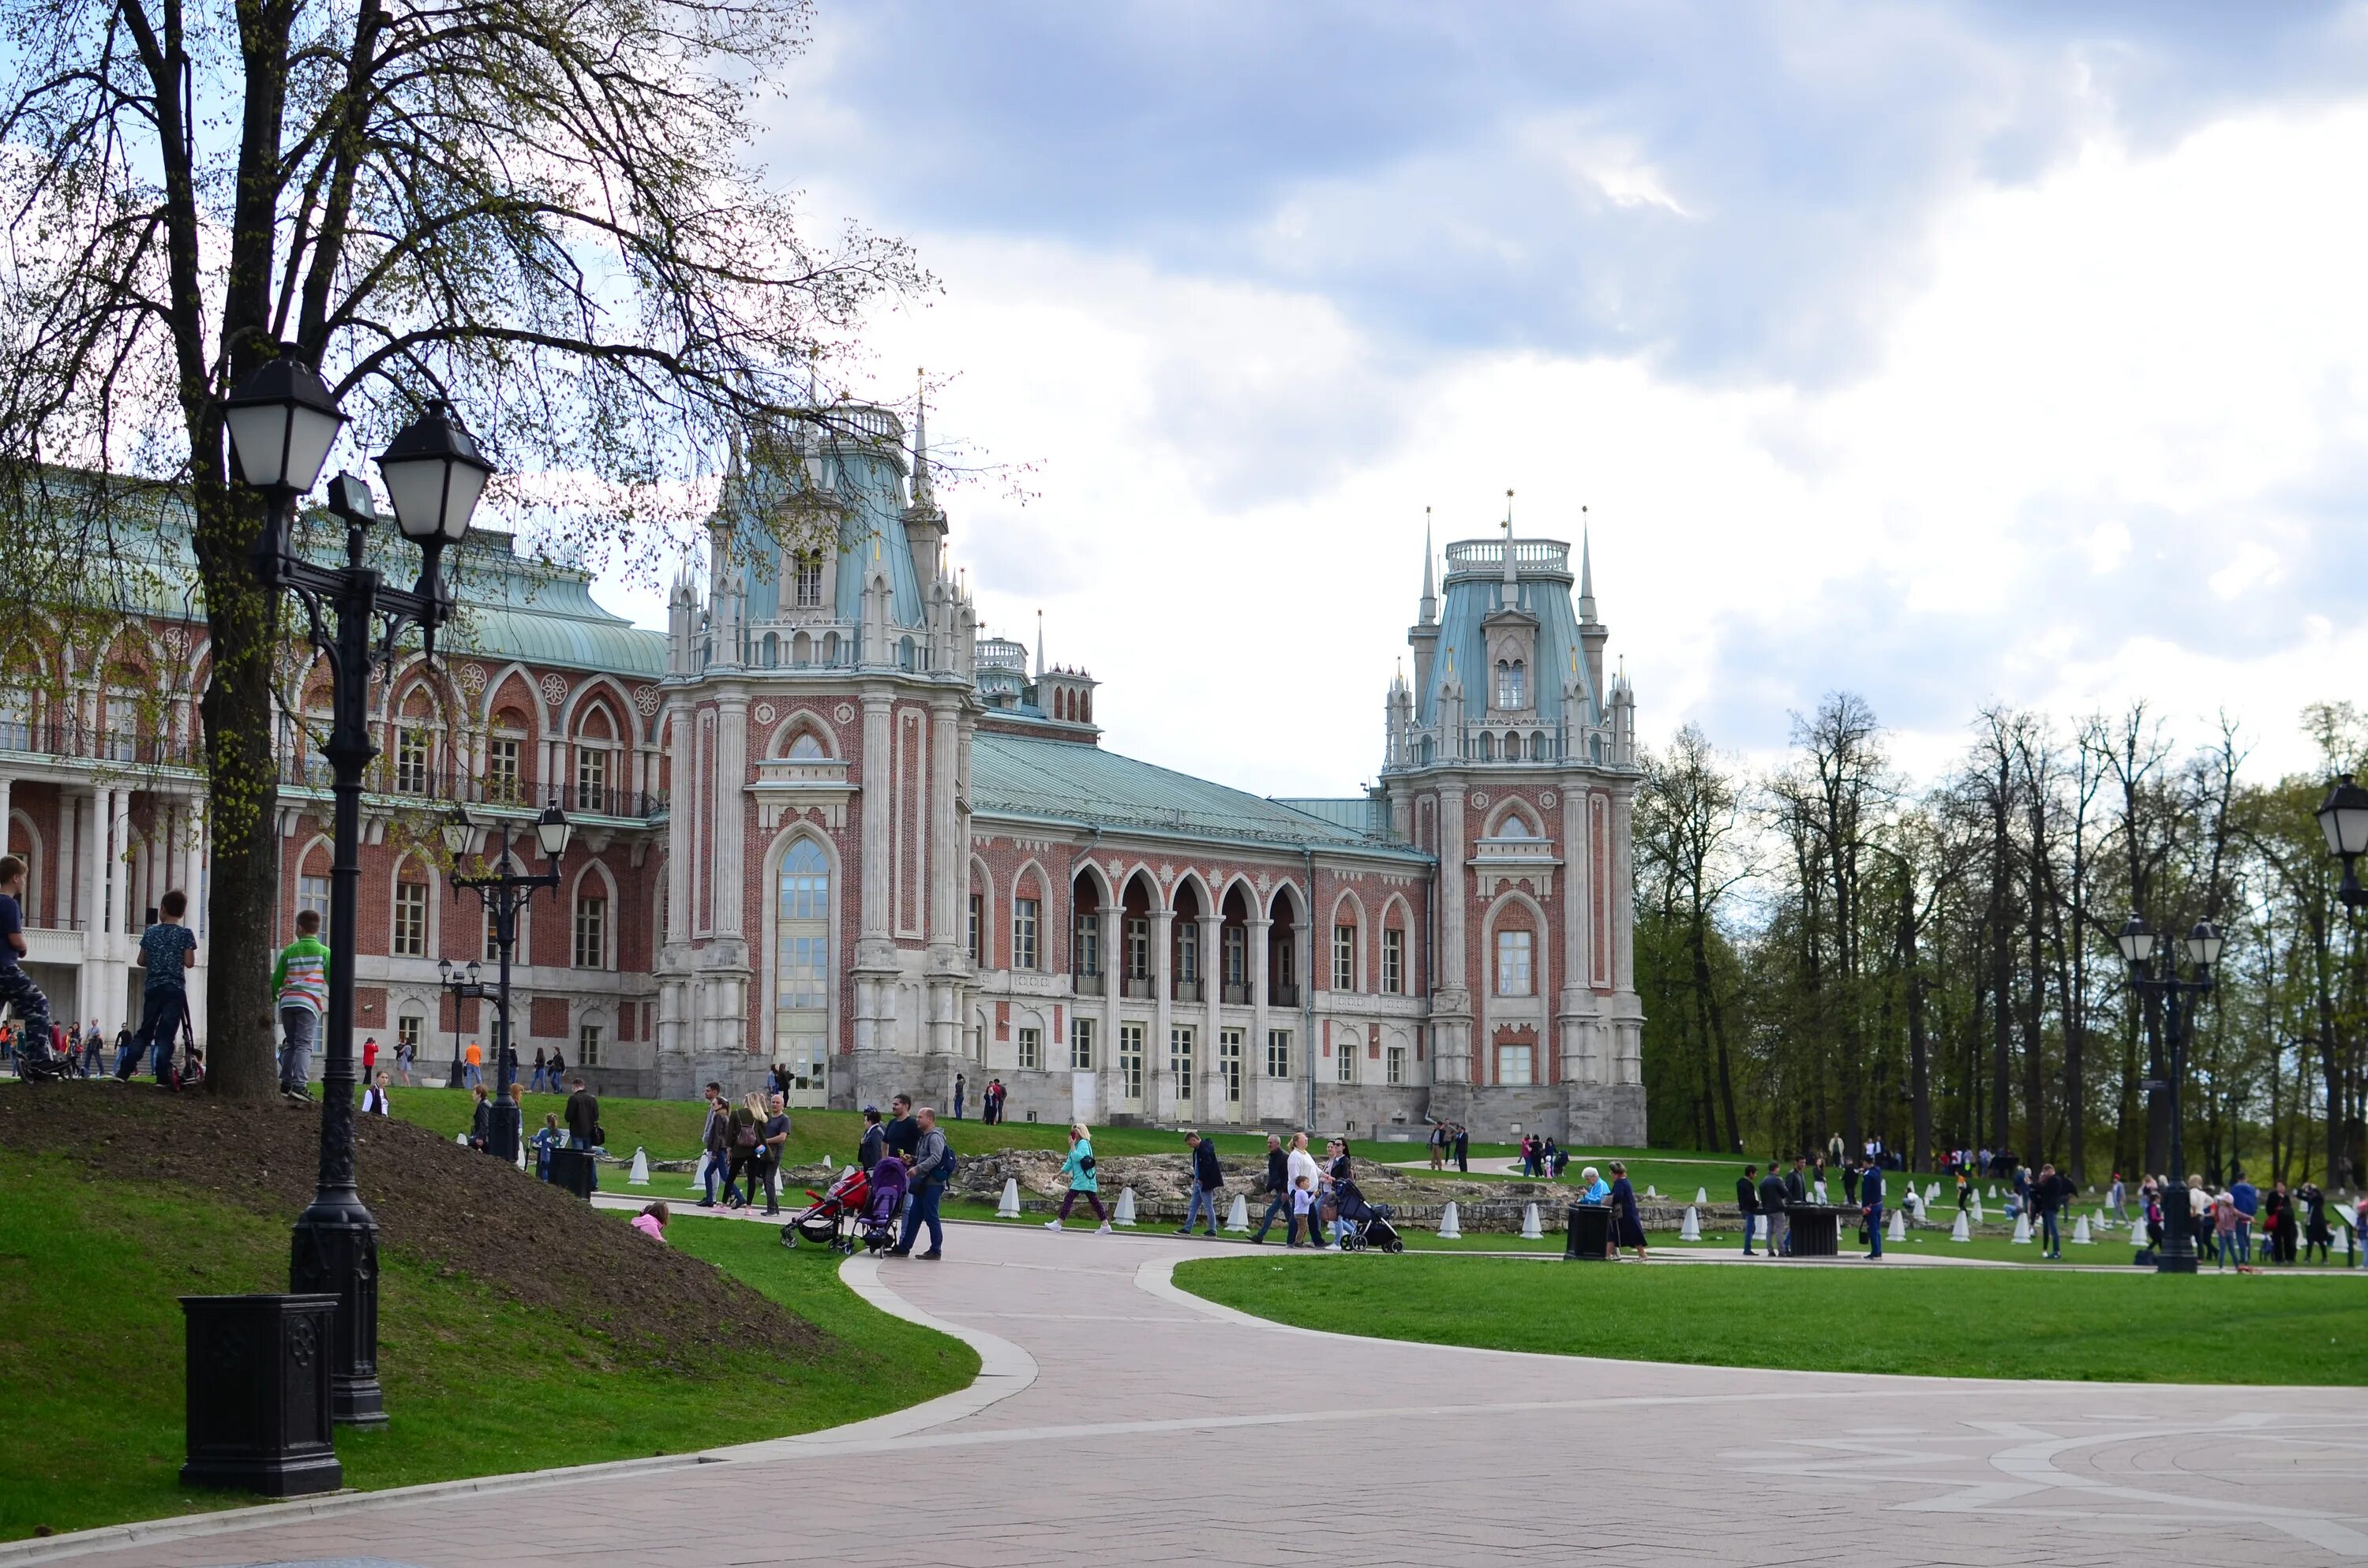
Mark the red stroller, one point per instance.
(831, 1219)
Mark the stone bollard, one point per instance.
(1449, 1231)
(462, 1139)
(1237, 1217)
(640, 1175)
(1898, 1230)
(825, 1163)
(1649, 1192)
(1530, 1230)
(698, 1171)
(2080, 1233)
(2022, 1229)
(1007, 1206)
(1978, 1208)
(1691, 1230)
(1963, 1232)
(1701, 1195)
(1124, 1214)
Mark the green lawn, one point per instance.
(91, 1345)
(2132, 1327)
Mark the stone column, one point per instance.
(681, 841)
(1628, 1066)
(1212, 994)
(1579, 1058)
(948, 868)
(731, 790)
(1260, 930)
(1113, 921)
(1451, 1008)
(1158, 1088)
(874, 953)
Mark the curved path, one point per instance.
(1124, 1422)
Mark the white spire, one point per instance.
(1430, 593)
(1513, 574)
(1040, 644)
(923, 499)
(1586, 574)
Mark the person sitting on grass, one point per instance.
(651, 1221)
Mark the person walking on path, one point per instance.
(1746, 1198)
(583, 1117)
(168, 951)
(2247, 1201)
(1438, 1148)
(774, 1144)
(2313, 1229)
(1463, 1149)
(1869, 1186)
(1773, 1206)
(2224, 1234)
(2048, 1195)
(17, 988)
(542, 1079)
(932, 1165)
(300, 981)
(1627, 1230)
(874, 1141)
(716, 1138)
(2117, 1198)
(1208, 1183)
(741, 1138)
(1300, 1163)
(1080, 1170)
(1277, 1188)
(473, 1069)
(1303, 1210)
(903, 1136)
(94, 1051)
(1796, 1195)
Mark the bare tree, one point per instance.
(538, 210)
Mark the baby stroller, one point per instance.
(1362, 1224)
(877, 1223)
(830, 1220)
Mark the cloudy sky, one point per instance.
(1949, 354)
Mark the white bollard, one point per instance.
(1898, 1232)
(1993, 1190)
(2022, 1229)
(1529, 1231)
(1932, 1192)
(698, 1171)
(826, 1165)
(640, 1175)
(1701, 1195)
(1449, 1231)
(2080, 1233)
(1237, 1217)
(1007, 1207)
(1649, 1192)
(1691, 1230)
(1124, 1214)
(1978, 1208)
(1963, 1232)
(462, 1139)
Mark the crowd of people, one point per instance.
(1768, 1202)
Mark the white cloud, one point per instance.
(2104, 450)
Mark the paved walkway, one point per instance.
(1124, 1423)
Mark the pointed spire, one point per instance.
(1040, 644)
(1585, 572)
(1430, 592)
(923, 498)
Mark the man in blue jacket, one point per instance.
(1746, 1198)
(1869, 1199)
(1207, 1182)
(2249, 1206)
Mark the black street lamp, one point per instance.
(504, 891)
(282, 423)
(2136, 939)
(2343, 817)
(465, 988)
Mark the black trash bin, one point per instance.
(573, 1169)
(1816, 1229)
(257, 1391)
(1589, 1232)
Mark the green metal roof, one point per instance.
(1064, 781)
(513, 608)
(1357, 814)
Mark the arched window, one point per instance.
(806, 593)
(802, 969)
(1514, 825)
(1512, 685)
(1512, 745)
(806, 745)
(772, 650)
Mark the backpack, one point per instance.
(946, 1167)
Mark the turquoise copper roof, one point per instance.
(513, 608)
(1015, 776)
(1476, 590)
(861, 458)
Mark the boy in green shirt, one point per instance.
(300, 980)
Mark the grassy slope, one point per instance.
(1941, 1323)
(90, 1356)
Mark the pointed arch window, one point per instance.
(805, 579)
(1512, 684)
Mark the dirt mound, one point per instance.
(446, 1206)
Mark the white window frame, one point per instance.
(1516, 964)
(1278, 1053)
(1393, 962)
(1081, 1045)
(408, 938)
(1031, 1049)
(1344, 957)
(1027, 920)
(592, 900)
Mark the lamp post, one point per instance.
(467, 987)
(282, 423)
(2343, 817)
(2136, 940)
(504, 891)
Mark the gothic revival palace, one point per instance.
(822, 822)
